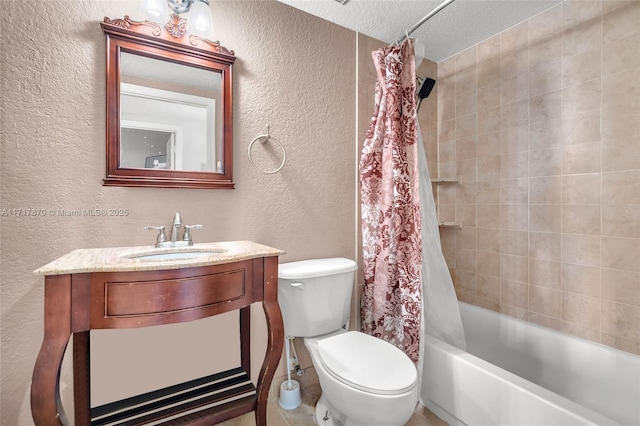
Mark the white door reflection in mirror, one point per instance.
(150, 146)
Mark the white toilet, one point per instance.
(365, 381)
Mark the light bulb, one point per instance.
(200, 20)
(155, 8)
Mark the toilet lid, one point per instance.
(367, 363)
(304, 269)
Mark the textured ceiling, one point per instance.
(460, 25)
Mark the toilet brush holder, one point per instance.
(290, 395)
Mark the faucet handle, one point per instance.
(161, 235)
(187, 234)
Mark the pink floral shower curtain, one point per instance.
(391, 234)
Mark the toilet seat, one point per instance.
(367, 363)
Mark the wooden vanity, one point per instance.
(116, 288)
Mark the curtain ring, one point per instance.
(264, 139)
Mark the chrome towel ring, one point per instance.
(264, 139)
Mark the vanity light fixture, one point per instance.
(200, 21)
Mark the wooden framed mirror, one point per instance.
(169, 107)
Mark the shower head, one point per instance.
(424, 90)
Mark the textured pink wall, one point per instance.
(294, 72)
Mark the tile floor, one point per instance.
(304, 415)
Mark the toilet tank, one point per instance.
(315, 295)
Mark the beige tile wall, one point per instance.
(428, 116)
(542, 125)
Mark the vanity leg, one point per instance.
(275, 334)
(46, 408)
(245, 339)
(81, 381)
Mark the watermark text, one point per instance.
(62, 212)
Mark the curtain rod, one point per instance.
(425, 19)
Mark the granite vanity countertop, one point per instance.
(127, 259)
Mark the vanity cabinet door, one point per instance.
(138, 299)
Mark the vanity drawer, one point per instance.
(126, 299)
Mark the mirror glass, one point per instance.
(169, 107)
(168, 116)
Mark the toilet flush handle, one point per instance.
(299, 286)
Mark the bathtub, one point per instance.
(516, 373)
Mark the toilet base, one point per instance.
(323, 416)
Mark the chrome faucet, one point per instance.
(161, 240)
(175, 228)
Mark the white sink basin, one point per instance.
(174, 256)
